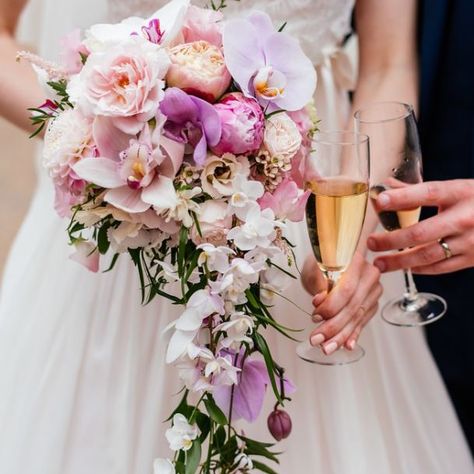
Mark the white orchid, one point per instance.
(181, 435)
(237, 329)
(258, 229)
(171, 18)
(216, 258)
(163, 466)
(184, 206)
(245, 195)
(201, 305)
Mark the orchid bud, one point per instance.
(279, 424)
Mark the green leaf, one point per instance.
(214, 411)
(265, 350)
(102, 238)
(135, 254)
(219, 438)
(183, 240)
(112, 263)
(204, 425)
(193, 457)
(182, 408)
(179, 467)
(263, 467)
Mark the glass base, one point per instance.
(315, 355)
(425, 309)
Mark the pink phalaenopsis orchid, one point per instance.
(73, 51)
(138, 174)
(287, 201)
(268, 64)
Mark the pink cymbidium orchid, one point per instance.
(268, 64)
(137, 173)
(288, 202)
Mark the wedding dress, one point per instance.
(84, 388)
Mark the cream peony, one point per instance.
(282, 137)
(219, 172)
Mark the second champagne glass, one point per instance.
(394, 139)
(338, 177)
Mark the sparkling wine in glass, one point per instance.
(394, 139)
(338, 178)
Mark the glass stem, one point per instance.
(411, 293)
(332, 279)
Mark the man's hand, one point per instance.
(345, 311)
(454, 224)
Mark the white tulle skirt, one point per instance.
(84, 388)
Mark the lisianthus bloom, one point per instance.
(67, 141)
(124, 82)
(170, 17)
(139, 177)
(191, 121)
(288, 202)
(282, 137)
(203, 24)
(199, 69)
(267, 64)
(219, 174)
(242, 122)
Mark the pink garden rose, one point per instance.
(282, 137)
(125, 82)
(67, 141)
(199, 69)
(214, 221)
(242, 125)
(203, 24)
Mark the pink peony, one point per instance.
(214, 221)
(72, 50)
(242, 125)
(199, 69)
(126, 83)
(203, 24)
(67, 141)
(287, 201)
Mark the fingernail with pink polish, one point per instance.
(317, 318)
(330, 348)
(383, 200)
(317, 339)
(351, 345)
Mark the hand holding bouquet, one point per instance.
(180, 140)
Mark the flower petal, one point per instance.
(211, 122)
(300, 72)
(160, 194)
(99, 171)
(171, 18)
(243, 56)
(178, 344)
(87, 255)
(127, 199)
(178, 106)
(109, 139)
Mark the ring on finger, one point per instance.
(446, 249)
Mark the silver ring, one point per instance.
(446, 249)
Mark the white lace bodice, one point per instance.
(318, 24)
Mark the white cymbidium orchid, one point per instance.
(182, 434)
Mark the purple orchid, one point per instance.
(153, 32)
(268, 64)
(249, 393)
(192, 121)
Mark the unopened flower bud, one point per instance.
(279, 424)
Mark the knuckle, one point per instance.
(417, 233)
(432, 191)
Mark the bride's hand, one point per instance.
(347, 308)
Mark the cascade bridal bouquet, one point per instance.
(181, 140)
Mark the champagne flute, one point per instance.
(393, 134)
(338, 178)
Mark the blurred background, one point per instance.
(17, 181)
